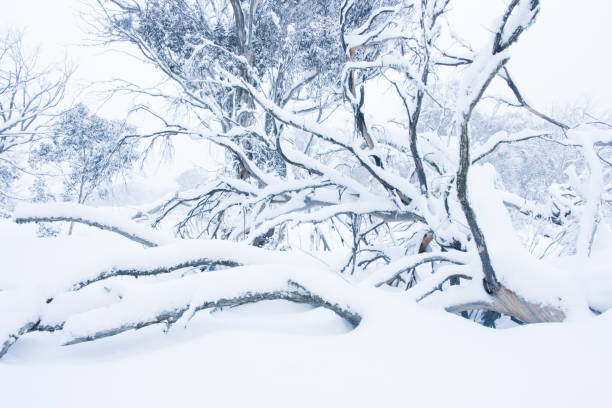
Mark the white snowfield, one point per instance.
(381, 348)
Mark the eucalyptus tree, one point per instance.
(86, 150)
(404, 202)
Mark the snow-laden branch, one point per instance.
(28, 310)
(519, 15)
(530, 290)
(196, 253)
(244, 160)
(365, 34)
(19, 313)
(435, 281)
(387, 179)
(524, 206)
(504, 137)
(384, 274)
(358, 207)
(587, 137)
(332, 174)
(178, 300)
(95, 217)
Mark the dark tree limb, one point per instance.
(519, 97)
(491, 283)
(501, 142)
(13, 337)
(441, 284)
(157, 271)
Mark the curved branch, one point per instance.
(171, 301)
(388, 272)
(442, 282)
(495, 142)
(196, 253)
(298, 295)
(94, 217)
(141, 272)
(509, 303)
(11, 338)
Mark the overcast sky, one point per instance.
(565, 57)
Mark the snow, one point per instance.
(144, 321)
(520, 18)
(60, 255)
(265, 359)
(275, 353)
(515, 267)
(19, 309)
(359, 207)
(593, 187)
(106, 218)
(503, 137)
(381, 275)
(144, 304)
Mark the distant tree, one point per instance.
(29, 96)
(85, 148)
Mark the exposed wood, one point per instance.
(509, 303)
(427, 238)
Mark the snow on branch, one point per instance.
(251, 167)
(435, 281)
(503, 137)
(95, 217)
(518, 17)
(358, 207)
(384, 274)
(304, 161)
(365, 34)
(20, 313)
(389, 180)
(516, 269)
(197, 253)
(527, 207)
(171, 301)
(29, 311)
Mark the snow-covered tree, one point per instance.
(29, 96)
(87, 150)
(402, 202)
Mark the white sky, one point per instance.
(566, 57)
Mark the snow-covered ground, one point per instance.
(277, 354)
(305, 358)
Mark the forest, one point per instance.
(370, 209)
